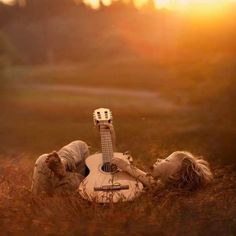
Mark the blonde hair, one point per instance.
(193, 174)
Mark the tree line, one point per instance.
(61, 31)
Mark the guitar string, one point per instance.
(107, 148)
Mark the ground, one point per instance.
(44, 108)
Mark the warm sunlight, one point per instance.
(12, 2)
(202, 6)
(8, 2)
(198, 6)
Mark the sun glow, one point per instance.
(204, 6)
(197, 6)
(8, 2)
(12, 2)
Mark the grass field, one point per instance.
(161, 110)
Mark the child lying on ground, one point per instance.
(181, 169)
(62, 171)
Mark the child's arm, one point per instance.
(123, 163)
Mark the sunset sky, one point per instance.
(168, 4)
(202, 5)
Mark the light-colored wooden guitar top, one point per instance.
(105, 182)
(105, 187)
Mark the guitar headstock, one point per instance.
(102, 116)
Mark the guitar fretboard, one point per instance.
(106, 142)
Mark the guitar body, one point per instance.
(104, 187)
(105, 182)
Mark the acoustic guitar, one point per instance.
(106, 183)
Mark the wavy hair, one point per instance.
(193, 174)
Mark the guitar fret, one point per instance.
(106, 143)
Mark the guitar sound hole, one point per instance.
(108, 167)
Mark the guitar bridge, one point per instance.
(111, 188)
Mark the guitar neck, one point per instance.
(106, 142)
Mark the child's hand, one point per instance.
(127, 154)
(106, 126)
(121, 161)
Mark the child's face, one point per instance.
(164, 168)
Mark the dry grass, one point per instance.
(167, 212)
(34, 122)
